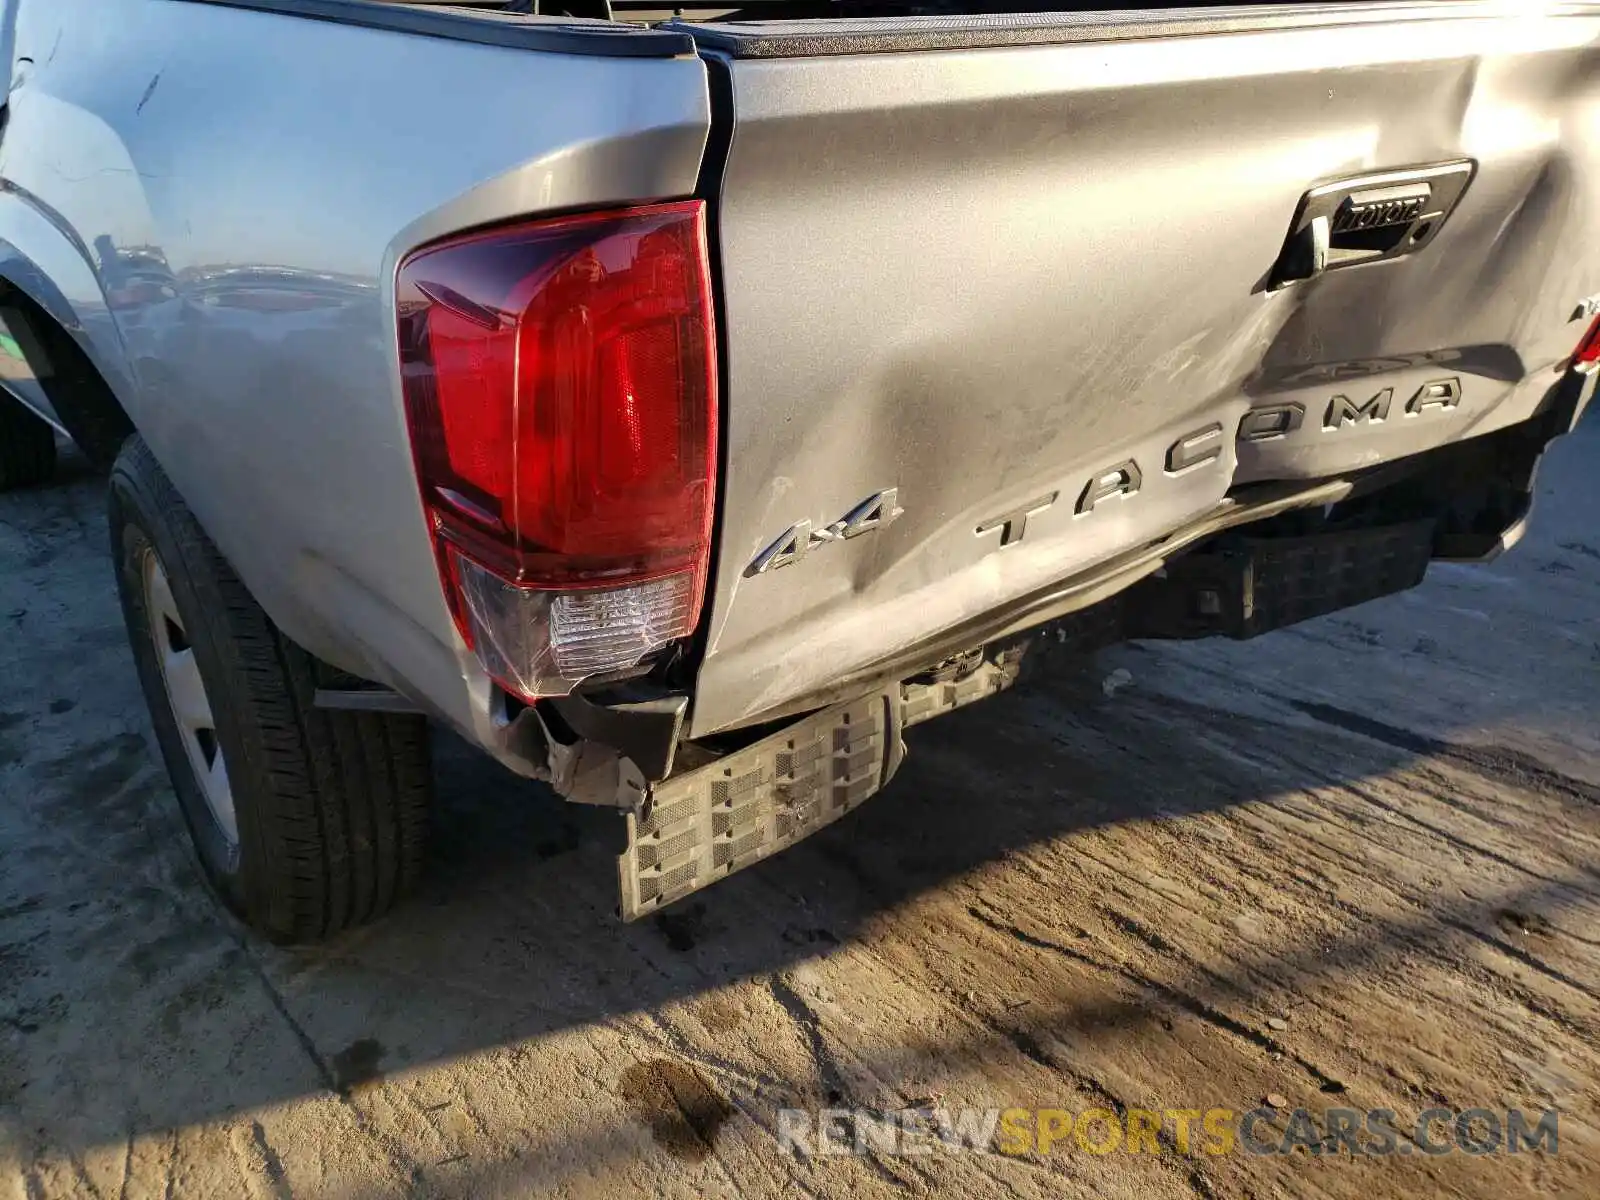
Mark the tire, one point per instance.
(329, 808)
(27, 447)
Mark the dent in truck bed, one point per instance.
(1070, 251)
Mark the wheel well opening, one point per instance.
(84, 402)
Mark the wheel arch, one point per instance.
(70, 339)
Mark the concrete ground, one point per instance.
(1354, 863)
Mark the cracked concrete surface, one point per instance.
(1351, 863)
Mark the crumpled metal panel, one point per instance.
(1029, 281)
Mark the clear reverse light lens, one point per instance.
(539, 643)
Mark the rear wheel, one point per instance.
(305, 821)
(27, 447)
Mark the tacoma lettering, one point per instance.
(1263, 423)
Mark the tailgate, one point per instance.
(996, 313)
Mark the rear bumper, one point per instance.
(702, 825)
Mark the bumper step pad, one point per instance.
(706, 824)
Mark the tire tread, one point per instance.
(340, 799)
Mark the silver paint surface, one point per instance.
(981, 276)
(974, 276)
(213, 202)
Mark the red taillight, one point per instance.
(560, 387)
(1587, 356)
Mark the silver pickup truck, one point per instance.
(681, 403)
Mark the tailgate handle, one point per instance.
(1369, 218)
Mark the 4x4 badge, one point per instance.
(876, 511)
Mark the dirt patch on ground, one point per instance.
(683, 1111)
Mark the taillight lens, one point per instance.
(1587, 356)
(560, 387)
